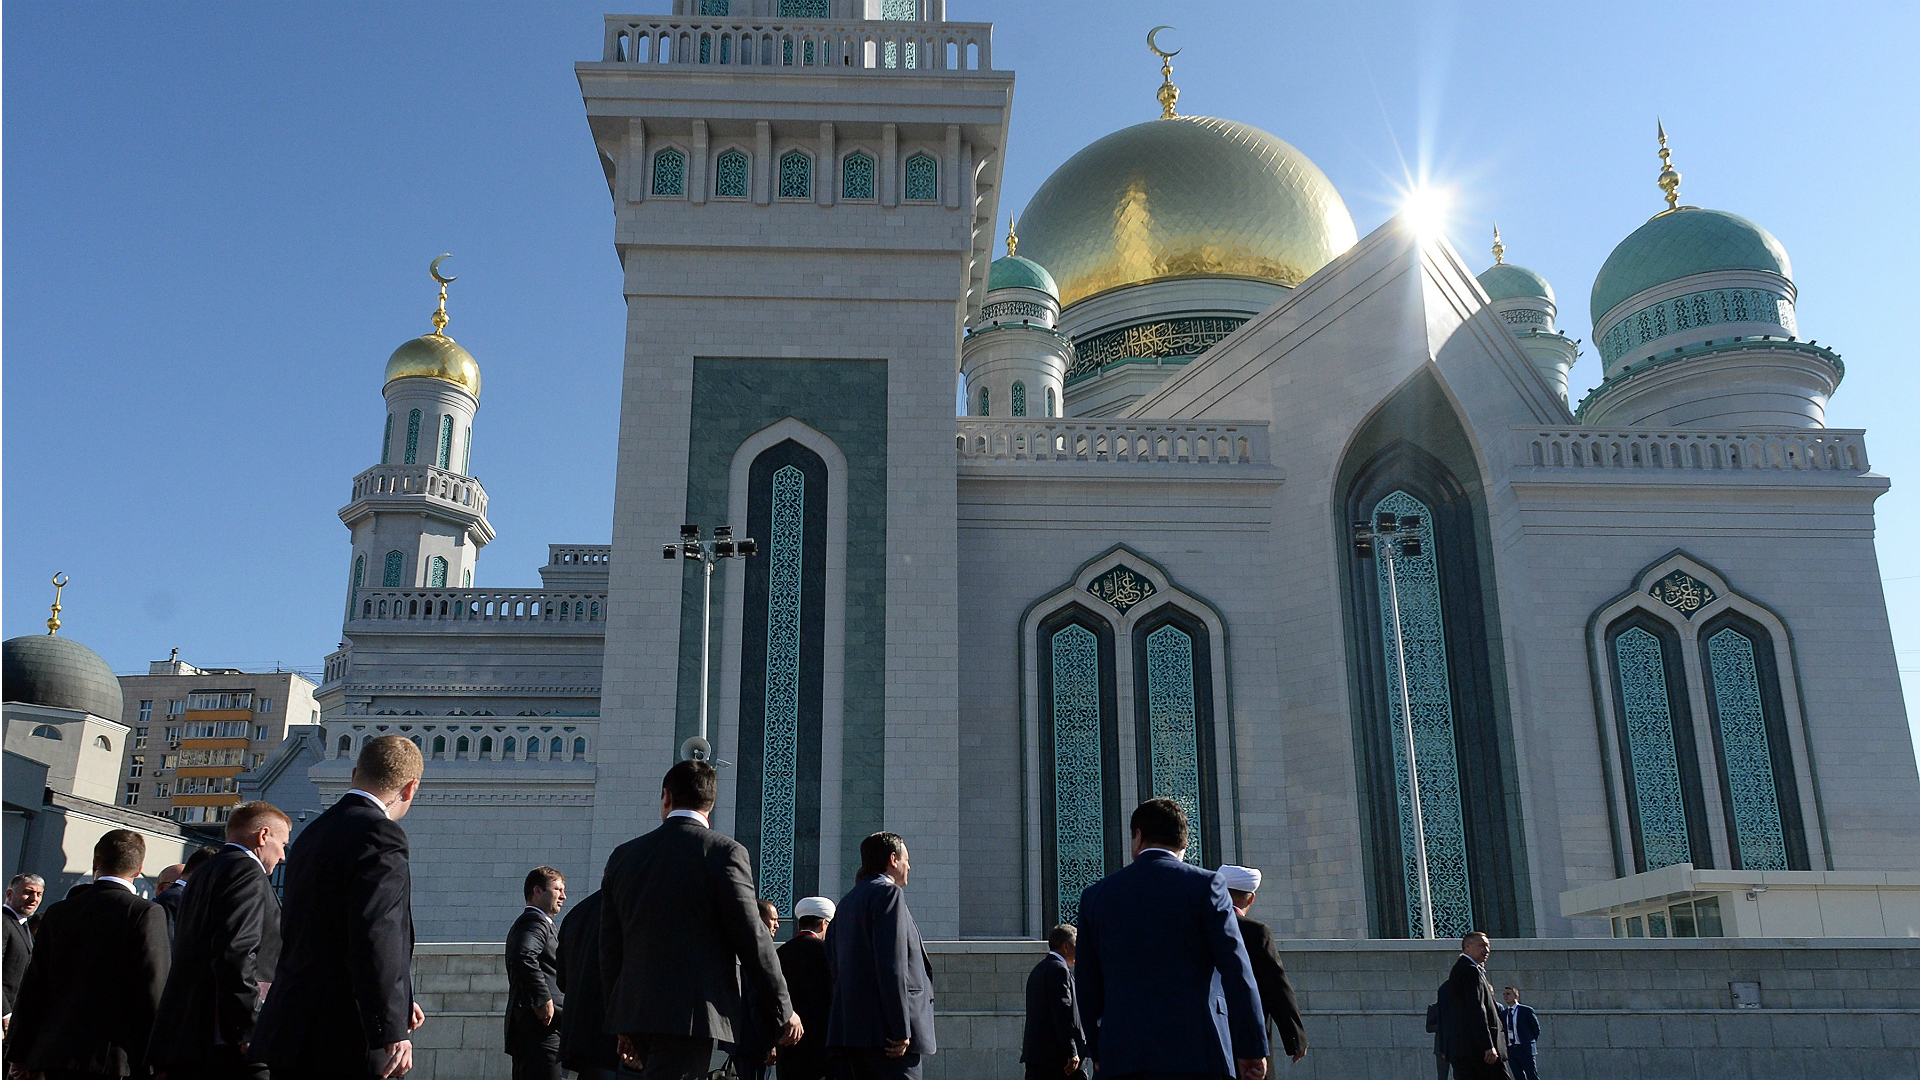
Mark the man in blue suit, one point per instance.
(1523, 1033)
(881, 1021)
(1165, 985)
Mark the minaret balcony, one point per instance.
(414, 488)
(789, 46)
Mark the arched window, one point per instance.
(985, 401)
(669, 172)
(444, 457)
(923, 179)
(346, 743)
(579, 746)
(732, 171)
(390, 576)
(1762, 800)
(1050, 401)
(856, 177)
(461, 744)
(101, 742)
(413, 436)
(47, 731)
(1017, 403)
(386, 440)
(1173, 705)
(796, 175)
(359, 570)
(508, 747)
(437, 572)
(593, 610)
(469, 579)
(486, 744)
(1655, 729)
(439, 745)
(1079, 758)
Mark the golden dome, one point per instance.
(435, 356)
(1192, 196)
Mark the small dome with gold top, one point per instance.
(435, 355)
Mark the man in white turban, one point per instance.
(1276, 993)
(804, 963)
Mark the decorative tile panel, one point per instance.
(796, 175)
(1652, 757)
(1153, 340)
(1173, 727)
(780, 760)
(1017, 404)
(1749, 761)
(730, 174)
(856, 177)
(923, 179)
(1079, 789)
(1122, 587)
(669, 173)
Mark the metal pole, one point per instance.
(1413, 769)
(706, 643)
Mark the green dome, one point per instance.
(1014, 272)
(1682, 243)
(1505, 281)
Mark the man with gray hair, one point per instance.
(1053, 1043)
(23, 899)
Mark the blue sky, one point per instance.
(218, 218)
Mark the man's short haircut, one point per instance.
(26, 879)
(812, 922)
(1161, 823)
(250, 818)
(1064, 934)
(540, 877)
(1515, 989)
(878, 850)
(387, 764)
(768, 910)
(1470, 935)
(198, 858)
(1240, 899)
(120, 853)
(691, 785)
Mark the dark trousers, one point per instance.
(536, 1059)
(231, 1067)
(1520, 1060)
(795, 1063)
(1053, 1072)
(674, 1057)
(1440, 1059)
(872, 1063)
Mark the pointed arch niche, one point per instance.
(1413, 456)
(1699, 712)
(1124, 697)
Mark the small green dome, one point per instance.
(1682, 243)
(1505, 281)
(1014, 272)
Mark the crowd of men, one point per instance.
(668, 965)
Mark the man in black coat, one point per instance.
(679, 912)
(803, 961)
(1476, 1042)
(534, 998)
(1437, 1027)
(1276, 993)
(341, 1005)
(23, 899)
(87, 1002)
(225, 944)
(882, 1018)
(1053, 1043)
(585, 1045)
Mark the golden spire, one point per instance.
(1013, 239)
(1168, 93)
(1669, 176)
(53, 624)
(440, 316)
(1499, 249)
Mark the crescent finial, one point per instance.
(1168, 93)
(433, 269)
(1155, 46)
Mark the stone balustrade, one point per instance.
(591, 556)
(521, 610)
(434, 483)
(1811, 450)
(879, 48)
(1143, 442)
(476, 737)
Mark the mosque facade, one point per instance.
(1613, 635)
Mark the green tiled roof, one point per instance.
(1014, 272)
(1505, 281)
(1680, 244)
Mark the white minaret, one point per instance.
(1525, 302)
(418, 518)
(1015, 358)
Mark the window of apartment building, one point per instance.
(170, 761)
(218, 729)
(259, 760)
(220, 699)
(146, 711)
(140, 738)
(194, 758)
(162, 789)
(264, 705)
(259, 732)
(175, 708)
(132, 797)
(138, 765)
(173, 735)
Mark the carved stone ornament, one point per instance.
(1122, 587)
(1683, 592)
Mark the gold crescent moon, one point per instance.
(1157, 51)
(61, 580)
(434, 269)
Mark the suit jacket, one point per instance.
(533, 961)
(1053, 1036)
(679, 911)
(1473, 1022)
(343, 990)
(1154, 937)
(224, 944)
(88, 999)
(18, 950)
(803, 962)
(584, 1041)
(882, 980)
(1437, 1021)
(1276, 993)
(1524, 1023)
(169, 900)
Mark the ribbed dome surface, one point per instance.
(59, 673)
(1682, 243)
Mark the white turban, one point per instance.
(1240, 878)
(813, 907)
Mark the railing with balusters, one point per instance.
(1142, 442)
(1813, 450)
(518, 609)
(435, 483)
(586, 555)
(471, 737)
(881, 48)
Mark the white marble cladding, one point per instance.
(518, 610)
(449, 487)
(949, 49)
(1828, 450)
(1237, 442)
(439, 737)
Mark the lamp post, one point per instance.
(1395, 538)
(708, 552)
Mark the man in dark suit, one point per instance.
(225, 945)
(171, 886)
(87, 1002)
(1476, 1042)
(1523, 1034)
(753, 1049)
(23, 899)
(1276, 993)
(341, 1005)
(679, 912)
(882, 1018)
(534, 998)
(1437, 1027)
(585, 1045)
(1154, 936)
(803, 962)
(1053, 1043)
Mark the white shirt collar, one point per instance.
(1057, 956)
(1474, 962)
(694, 814)
(374, 799)
(120, 881)
(251, 854)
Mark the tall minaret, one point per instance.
(418, 518)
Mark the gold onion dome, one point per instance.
(1191, 196)
(435, 355)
